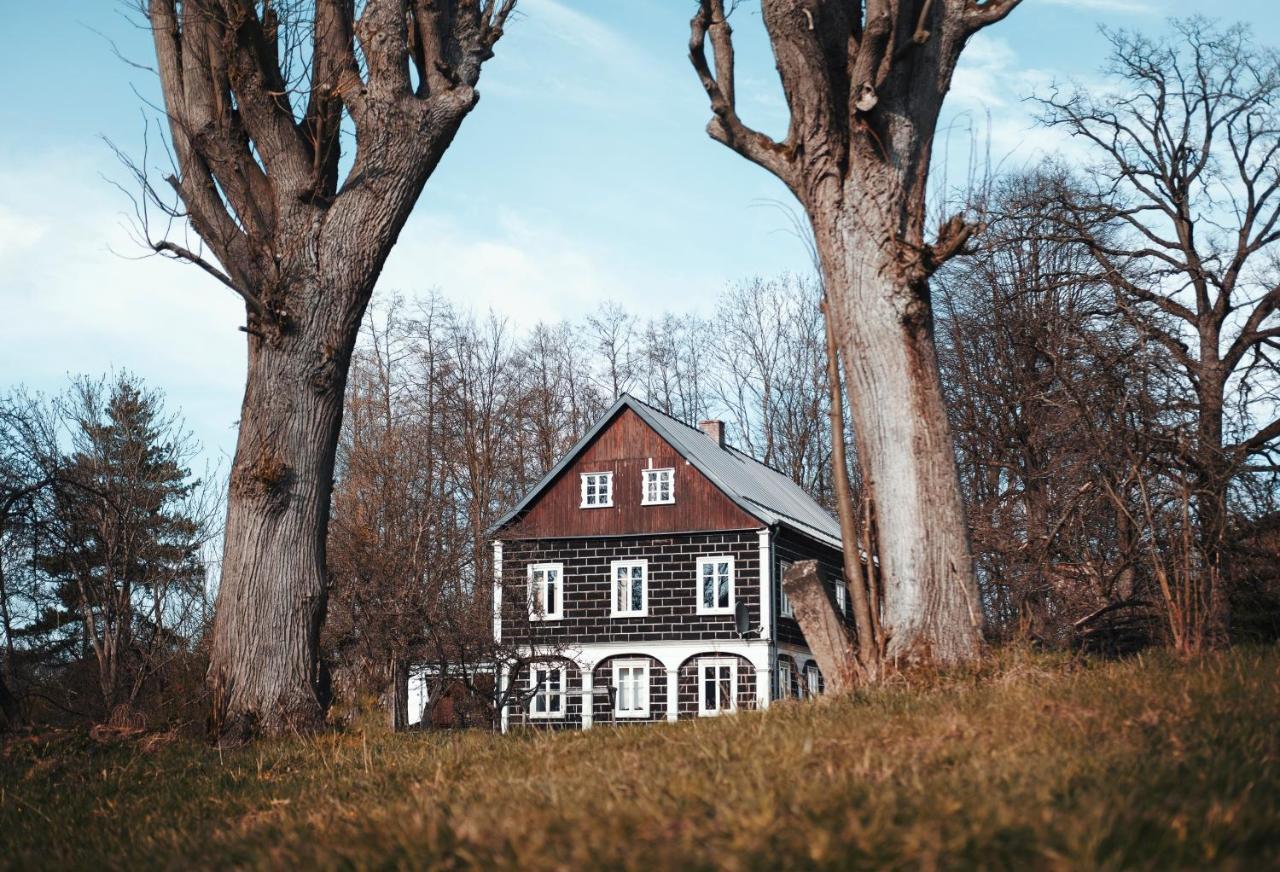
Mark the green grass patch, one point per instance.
(1029, 761)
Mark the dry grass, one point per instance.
(1032, 760)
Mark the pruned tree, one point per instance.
(261, 99)
(1183, 222)
(865, 85)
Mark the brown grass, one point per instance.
(1029, 761)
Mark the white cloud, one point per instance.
(86, 305)
(526, 267)
(18, 232)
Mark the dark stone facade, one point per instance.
(789, 547)
(673, 587)
(602, 712)
(690, 687)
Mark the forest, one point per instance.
(1044, 407)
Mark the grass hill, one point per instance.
(1031, 760)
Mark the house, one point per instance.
(627, 575)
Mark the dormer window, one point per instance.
(659, 487)
(597, 490)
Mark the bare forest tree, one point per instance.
(1051, 391)
(1183, 223)
(261, 100)
(451, 418)
(102, 552)
(865, 85)
(30, 467)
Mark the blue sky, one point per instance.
(584, 174)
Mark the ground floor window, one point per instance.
(784, 679)
(631, 683)
(548, 685)
(717, 679)
(813, 680)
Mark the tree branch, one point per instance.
(726, 128)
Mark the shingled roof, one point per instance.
(759, 490)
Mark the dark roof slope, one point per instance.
(757, 489)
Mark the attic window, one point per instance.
(597, 490)
(659, 487)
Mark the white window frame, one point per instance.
(703, 608)
(785, 608)
(842, 596)
(785, 680)
(607, 479)
(641, 711)
(812, 681)
(645, 476)
(538, 596)
(614, 610)
(705, 663)
(539, 692)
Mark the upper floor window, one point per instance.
(717, 681)
(842, 596)
(630, 588)
(659, 487)
(548, 686)
(631, 683)
(546, 591)
(715, 585)
(597, 489)
(784, 602)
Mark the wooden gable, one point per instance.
(627, 446)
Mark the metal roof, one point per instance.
(760, 491)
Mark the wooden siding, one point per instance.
(626, 447)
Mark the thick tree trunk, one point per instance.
(883, 324)
(271, 600)
(823, 625)
(1211, 499)
(396, 695)
(8, 706)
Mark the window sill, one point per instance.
(713, 612)
(657, 502)
(643, 614)
(630, 716)
(596, 506)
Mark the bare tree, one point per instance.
(865, 85)
(260, 100)
(1188, 189)
(1046, 384)
(613, 328)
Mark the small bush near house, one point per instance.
(1033, 761)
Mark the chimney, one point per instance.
(714, 429)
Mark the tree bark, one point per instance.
(303, 248)
(884, 330)
(823, 625)
(8, 705)
(271, 601)
(864, 86)
(396, 696)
